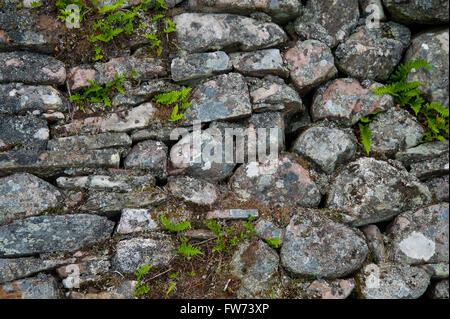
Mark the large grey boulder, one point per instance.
(418, 11)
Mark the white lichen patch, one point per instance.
(417, 246)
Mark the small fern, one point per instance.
(141, 289)
(188, 251)
(177, 98)
(273, 242)
(174, 228)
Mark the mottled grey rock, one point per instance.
(137, 252)
(135, 220)
(24, 195)
(439, 188)
(118, 181)
(51, 163)
(437, 271)
(150, 156)
(31, 68)
(138, 117)
(52, 234)
(433, 47)
(373, 53)
(272, 94)
(40, 287)
(193, 190)
(134, 96)
(111, 204)
(311, 63)
(431, 168)
(199, 65)
(422, 152)
(394, 130)
(281, 10)
(330, 289)
(124, 291)
(259, 63)
(199, 32)
(147, 68)
(369, 191)
(315, 245)
(440, 290)
(201, 156)
(418, 11)
(329, 21)
(420, 237)
(90, 142)
(17, 268)
(346, 101)
(375, 241)
(284, 182)
(256, 265)
(225, 97)
(391, 281)
(232, 214)
(267, 230)
(18, 98)
(327, 147)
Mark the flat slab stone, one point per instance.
(24, 195)
(18, 98)
(420, 237)
(46, 234)
(31, 68)
(418, 11)
(315, 245)
(137, 252)
(232, 214)
(280, 11)
(422, 152)
(150, 156)
(433, 47)
(431, 168)
(311, 63)
(193, 190)
(195, 34)
(135, 220)
(40, 287)
(199, 65)
(259, 63)
(89, 142)
(370, 191)
(347, 100)
(391, 281)
(223, 98)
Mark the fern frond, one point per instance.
(366, 135)
(188, 251)
(174, 227)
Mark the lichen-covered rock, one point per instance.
(90, 142)
(199, 32)
(18, 98)
(422, 152)
(272, 94)
(31, 68)
(393, 131)
(329, 21)
(391, 281)
(437, 271)
(44, 234)
(433, 47)
(201, 156)
(118, 181)
(346, 101)
(373, 53)
(330, 289)
(369, 191)
(431, 168)
(138, 117)
(280, 11)
(327, 147)
(111, 204)
(284, 182)
(193, 190)
(311, 63)
(150, 156)
(24, 195)
(265, 229)
(315, 245)
(375, 241)
(418, 11)
(439, 188)
(146, 67)
(420, 237)
(225, 97)
(135, 220)
(199, 65)
(136, 252)
(259, 63)
(40, 287)
(232, 214)
(256, 265)
(440, 290)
